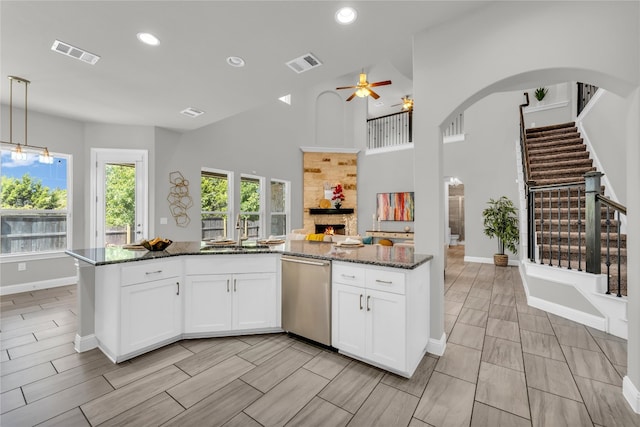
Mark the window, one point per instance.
(216, 204)
(280, 211)
(252, 204)
(35, 204)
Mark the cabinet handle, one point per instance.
(227, 285)
(360, 301)
(178, 285)
(386, 282)
(368, 298)
(234, 285)
(153, 272)
(348, 276)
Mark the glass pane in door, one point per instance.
(120, 204)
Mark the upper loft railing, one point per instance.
(454, 132)
(392, 130)
(585, 93)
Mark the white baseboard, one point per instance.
(482, 260)
(599, 323)
(86, 343)
(34, 286)
(437, 347)
(631, 393)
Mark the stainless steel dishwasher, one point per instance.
(306, 298)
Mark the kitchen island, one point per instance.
(131, 302)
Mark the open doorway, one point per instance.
(455, 217)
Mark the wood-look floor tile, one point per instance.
(558, 320)
(54, 332)
(48, 313)
(524, 308)
(551, 410)
(196, 388)
(449, 322)
(473, 317)
(477, 303)
(276, 369)
(418, 381)
(447, 401)
(386, 406)
(26, 376)
(503, 353)
(503, 329)
(327, 364)
(72, 418)
(352, 386)
(17, 341)
(591, 364)
(622, 370)
(319, 412)
(460, 362)
(467, 335)
(307, 348)
(4, 356)
(152, 412)
(606, 404)
(52, 384)
(19, 310)
(242, 420)
(480, 293)
(77, 359)
(616, 351)
(147, 364)
(418, 423)
(503, 312)
(533, 323)
(485, 416)
(108, 406)
(503, 299)
(254, 339)
(284, 401)
(37, 346)
(218, 408)
(503, 388)
(265, 350)
(211, 356)
(10, 400)
(601, 334)
(57, 404)
(452, 307)
(575, 337)
(550, 375)
(15, 365)
(197, 345)
(455, 296)
(23, 324)
(541, 344)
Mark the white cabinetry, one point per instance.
(380, 315)
(243, 295)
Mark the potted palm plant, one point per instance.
(501, 221)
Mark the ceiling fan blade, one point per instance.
(373, 94)
(351, 97)
(384, 83)
(346, 87)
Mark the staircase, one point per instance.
(557, 157)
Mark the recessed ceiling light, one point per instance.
(148, 38)
(235, 61)
(346, 15)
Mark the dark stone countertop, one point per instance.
(384, 256)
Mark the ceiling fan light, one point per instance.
(346, 15)
(362, 92)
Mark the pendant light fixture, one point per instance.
(18, 153)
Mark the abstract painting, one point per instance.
(395, 206)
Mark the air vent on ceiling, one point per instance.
(304, 63)
(192, 112)
(74, 52)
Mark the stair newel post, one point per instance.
(593, 222)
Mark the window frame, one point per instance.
(34, 256)
(230, 205)
(287, 205)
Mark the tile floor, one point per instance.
(506, 364)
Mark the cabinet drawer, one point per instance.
(146, 271)
(348, 274)
(385, 280)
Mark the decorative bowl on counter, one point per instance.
(156, 244)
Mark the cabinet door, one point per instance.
(208, 303)
(254, 301)
(151, 313)
(385, 328)
(348, 319)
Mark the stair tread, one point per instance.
(552, 142)
(551, 127)
(535, 139)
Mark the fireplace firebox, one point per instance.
(330, 229)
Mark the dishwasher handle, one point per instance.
(302, 261)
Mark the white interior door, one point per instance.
(120, 191)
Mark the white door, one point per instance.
(208, 303)
(385, 329)
(119, 189)
(254, 301)
(348, 319)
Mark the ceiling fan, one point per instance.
(407, 103)
(363, 88)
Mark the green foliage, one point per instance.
(249, 196)
(120, 195)
(540, 93)
(27, 193)
(214, 195)
(501, 221)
